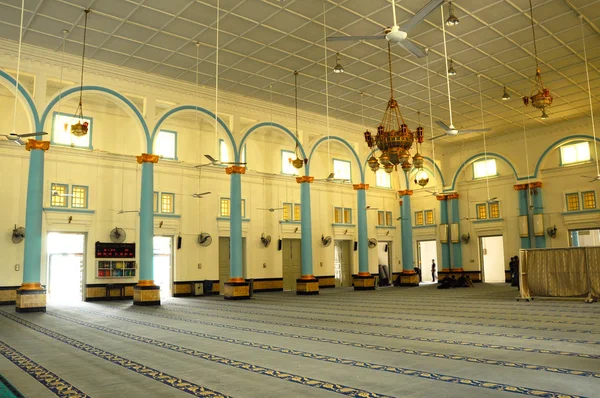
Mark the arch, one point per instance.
(103, 90)
(26, 97)
(277, 126)
(427, 158)
(479, 156)
(343, 141)
(196, 108)
(555, 145)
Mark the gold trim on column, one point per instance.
(453, 196)
(537, 184)
(406, 192)
(31, 286)
(308, 277)
(400, 202)
(146, 283)
(35, 144)
(358, 187)
(302, 179)
(520, 187)
(364, 274)
(441, 197)
(147, 158)
(236, 280)
(235, 170)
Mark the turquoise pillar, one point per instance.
(146, 292)
(33, 217)
(456, 246)
(538, 208)
(523, 211)
(408, 256)
(444, 264)
(236, 271)
(306, 228)
(307, 284)
(363, 238)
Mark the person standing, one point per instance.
(433, 270)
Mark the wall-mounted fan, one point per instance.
(17, 138)
(118, 235)
(551, 231)
(204, 239)
(325, 240)
(18, 234)
(466, 238)
(372, 243)
(265, 240)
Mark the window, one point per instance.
(167, 203)
(59, 196)
(384, 218)
(380, 218)
(484, 168)
(589, 200)
(572, 201)
(575, 153)
(342, 215)
(61, 131)
(291, 212)
(419, 218)
(156, 202)
(388, 218)
(286, 163)
(225, 208)
(384, 180)
(80, 197)
(342, 169)
(494, 210)
(481, 211)
(223, 152)
(428, 217)
(165, 145)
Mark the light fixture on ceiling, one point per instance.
(298, 162)
(80, 128)
(540, 97)
(451, 70)
(452, 20)
(393, 137)
(338, 67)
(505, 95)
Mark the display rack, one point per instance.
(115, 269)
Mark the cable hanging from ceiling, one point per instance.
(80, 128)
(217, 78)
(14, 130)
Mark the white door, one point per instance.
(163, 260)
(428, 254)
(66, 254)
(492, 258)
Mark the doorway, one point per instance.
(66, 254)
(584, 237)
(385, 260)
(163, 264)
(492, 258)
(291, 263)
(343, 263)
(224, 260)
(426, 253)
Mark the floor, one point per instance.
(392, 342)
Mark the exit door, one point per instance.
(66, 254)
(163, 264)
(343, 263)
(492, 258)
(291, 263)
(225, 260)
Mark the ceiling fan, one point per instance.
(331, 178)
(271, 209)
(215, 162)
(451, 130)
(371, 208)
(592, 179)
(62, 195)
(200, 195)
(17, 138)
(398, 35)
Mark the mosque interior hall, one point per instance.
(299, 198)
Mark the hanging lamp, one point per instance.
(421, 178)
(338, 67)
(540, 97)
(80, 128)
(298, 162)
(393, 137)
(452, 20)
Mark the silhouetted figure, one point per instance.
(418, 271)
(433, 270)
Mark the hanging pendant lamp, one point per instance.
(540, 97)
(80, 128)
(298, 162)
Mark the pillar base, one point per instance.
(365, 281)
(236, 289)
(409, 278)
(31, 297)
(307, 285)
(146, 293)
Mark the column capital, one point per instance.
(359, 187)
(537, 184)
(453, 196)
(406, 192)
(441, 197)
(522, 187)
(35, 144)
(303, 179)
(147, 158)
(235, 170)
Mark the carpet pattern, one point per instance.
(392, 342)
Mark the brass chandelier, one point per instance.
(394, 139)
(540, 97)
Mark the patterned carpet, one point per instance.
(393, 342)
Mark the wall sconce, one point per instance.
(523, 226)
(296, 230)
(160, 224)
(387, 233)
(70, 219)
(551, 231)
(346, 232)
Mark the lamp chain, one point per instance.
(80, 107)
(537, 66)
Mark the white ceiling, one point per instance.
(262, 42)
